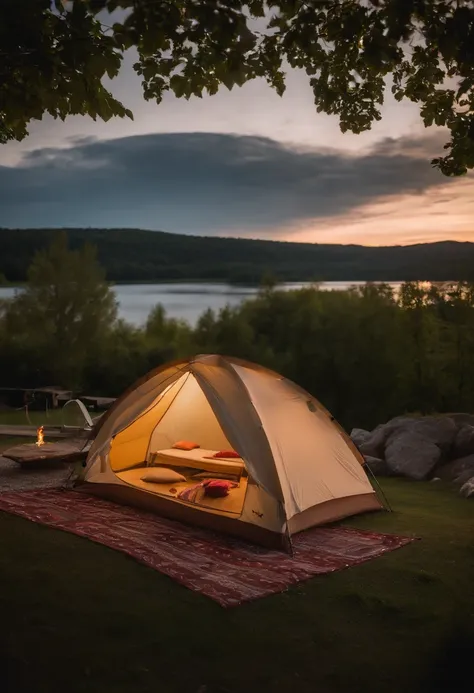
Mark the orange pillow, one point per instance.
(226, 453)
(185, 445)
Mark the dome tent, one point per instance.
(292, 466)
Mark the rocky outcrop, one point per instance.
(421, 448)
(459, 470)
(374, 444)
(467, 489)
(411, 446)
(411, 454)
(461, 479)
(461, 419)
(463, 443)
(439, 430)
(359, 436)
(377, 466)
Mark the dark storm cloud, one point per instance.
(205, 183)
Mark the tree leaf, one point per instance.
(347, 49)
(178, 84)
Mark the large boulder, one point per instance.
(457, 469)
(468, 489)
(413, 455)
(463, 477)
(461, 419)
(377, 466)
(439, 430)
(374, 445)
(359, 436)
(463, 443)
(434, 430)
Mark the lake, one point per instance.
(187, 301)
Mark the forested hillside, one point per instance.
(135, 255)
(368, 354)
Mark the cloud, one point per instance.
(440, 213)
(208, 183)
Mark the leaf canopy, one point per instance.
(54, 56)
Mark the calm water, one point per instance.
(186, 301)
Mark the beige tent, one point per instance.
(292, 466)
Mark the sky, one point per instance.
(243, 163)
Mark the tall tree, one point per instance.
(166, 338)
(66, 308)
(454, 305)
(423, 353)
(54, 54)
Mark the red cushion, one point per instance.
(226, 453)
(218, 488)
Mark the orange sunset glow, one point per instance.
(441, 213)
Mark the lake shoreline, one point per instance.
(188, 301)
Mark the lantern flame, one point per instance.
(40, 436)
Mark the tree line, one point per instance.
(135, 255)
(368, 354)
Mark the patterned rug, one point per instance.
(227, 570)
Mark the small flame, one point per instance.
(40, 436)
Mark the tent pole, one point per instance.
(384, 497)
(379, 488)
(290, 544)
(377, 483)
(289, 541)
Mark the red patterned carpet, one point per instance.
(227, 570)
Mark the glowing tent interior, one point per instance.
(266, 459)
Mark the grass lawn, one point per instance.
(11, 441)
(14, 417)
(70, 416)
(79, 617)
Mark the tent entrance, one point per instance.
(145, 449)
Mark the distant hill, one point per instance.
(134, 255)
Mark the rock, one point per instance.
(439, 430)
(413, 455)
(451, 471)
(463, 477)
(359, 435)
(404, 418)
(468, 489)
(463, 443)
(461, 419)
(374, 445)
(377, 466)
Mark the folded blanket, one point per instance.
(218, 488)
(189, 494)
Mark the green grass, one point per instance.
(79, 617)
(71, 416)
(14, 417)
(11, 441)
